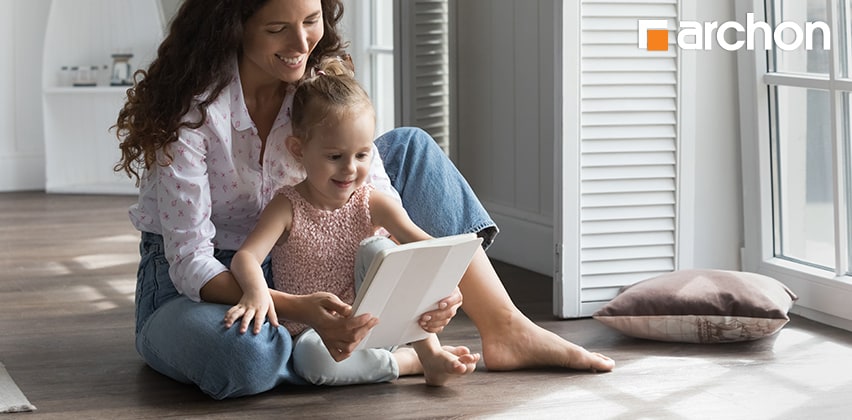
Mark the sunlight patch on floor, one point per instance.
(99, 261)
(820, 367)
(93, 298)
(789, 339)
(744, 398)
(571, 402)
(124, 239)
(125, 287)
(680, 373)
(53, 268)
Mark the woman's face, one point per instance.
(279, 38)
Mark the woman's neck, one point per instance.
(264, 96)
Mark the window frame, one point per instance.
(824, 296)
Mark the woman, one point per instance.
(204, 131)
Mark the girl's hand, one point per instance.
(330, 317)
(254, 305)
(435, 320)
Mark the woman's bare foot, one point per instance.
(447, 364)
(523, 344)
(510, 340)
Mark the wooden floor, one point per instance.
(67, 275)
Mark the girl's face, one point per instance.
(280, 36)
(336, 159)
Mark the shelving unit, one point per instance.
(80, 147)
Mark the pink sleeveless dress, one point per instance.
(319, 253)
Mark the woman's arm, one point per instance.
(184, 196)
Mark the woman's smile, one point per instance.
(294, 62)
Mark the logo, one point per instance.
(787, 36)
(654, 35)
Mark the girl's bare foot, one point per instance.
(523, 344)
(447, 364)
(407, 361)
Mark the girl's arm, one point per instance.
(256, 302)
(329, 316)
(390, 215)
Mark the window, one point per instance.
(797, 157)
(372, 49)
(401, 50)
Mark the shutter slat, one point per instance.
(629, 212)
(627, 199)
(623, 240)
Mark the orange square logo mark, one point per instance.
(658, 40)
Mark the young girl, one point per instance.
(314, 229)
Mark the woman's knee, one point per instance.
(247, 364)
(408, 141)
(186, 341)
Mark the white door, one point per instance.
(617, 171)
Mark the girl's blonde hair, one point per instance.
(330, 93)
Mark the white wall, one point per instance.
(507, 122)
(21, 133)
(506, 136)
(169, 9)
(718, 179)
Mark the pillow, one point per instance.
(700, 306)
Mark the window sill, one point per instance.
(823, 296)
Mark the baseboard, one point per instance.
(523, 243)
(822, 317)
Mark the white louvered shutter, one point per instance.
(424, 60)
(627, 153)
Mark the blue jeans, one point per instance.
(434, 193)
(187, 341)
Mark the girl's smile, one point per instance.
(336, 158)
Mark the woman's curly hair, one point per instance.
(195, 58)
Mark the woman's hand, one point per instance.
(330, 317)
(434, 321)
(254, 305)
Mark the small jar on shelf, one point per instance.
(86, 76)
(65, 76)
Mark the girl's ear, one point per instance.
(294, 146)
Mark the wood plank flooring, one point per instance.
(67, 278)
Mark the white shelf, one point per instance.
(85, 89)
(80, 148)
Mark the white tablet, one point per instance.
(405, 281)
